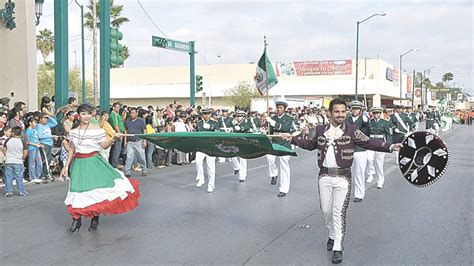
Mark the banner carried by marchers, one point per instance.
(218, 144)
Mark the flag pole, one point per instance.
(266, 81)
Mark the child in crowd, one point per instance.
(35, 163)
(16, 150)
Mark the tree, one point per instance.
(241, 95)
(116, 20)
(45, 78)
(45, 43)
(447, 77)
(125, 54)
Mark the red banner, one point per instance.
(409, 83)
(314, 68)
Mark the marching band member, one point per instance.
(280, 123)
(378, 129)
(360, 154)
(240, 125)
(206, 124)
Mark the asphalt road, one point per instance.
(245, 223)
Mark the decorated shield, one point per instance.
(423, 158)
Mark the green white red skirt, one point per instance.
(96, 188)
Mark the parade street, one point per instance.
(245, 223)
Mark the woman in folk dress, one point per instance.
(95, 187)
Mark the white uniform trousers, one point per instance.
(210, 168)
(358, 173)
(284, 171)
(241, 165)
(376, 160)
(334, 196)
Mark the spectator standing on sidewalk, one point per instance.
(150, 147)
(46, 138)
(116, 121)
(35, 164)
(16, 151)
(135, 146)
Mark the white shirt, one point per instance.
(179, 126)
(87, 141)
(331, 135)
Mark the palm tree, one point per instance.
(116, 20)
(124, 53)
(45, 43)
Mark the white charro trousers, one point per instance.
(284, 171)
(334, 197)
(210, 168)
(241, 165)
(376, 160)
(358, 173)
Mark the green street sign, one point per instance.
(170, 44)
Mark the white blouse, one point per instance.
(87, 141)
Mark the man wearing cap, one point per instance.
(206, 124)
(280, 123)
(399, 127)
(360, 154)
(225, 125)
(378, 129)
(254, 122)
(240, 125)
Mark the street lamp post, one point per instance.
(426, 92)
(83, 54)
(357, 49)
(401, 69)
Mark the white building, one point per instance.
(378, 82)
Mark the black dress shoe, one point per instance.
(76, 224)
(236, 172)
(357, 200)
(94, 223)
(281, 194)
(274, 180)
(330, 244)
(337, 257)
(241, 181)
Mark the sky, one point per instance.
(231, 32)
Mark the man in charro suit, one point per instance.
(361, 121)
(378, 129)
(336, 143)
(280, 123)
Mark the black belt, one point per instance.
(335, 171)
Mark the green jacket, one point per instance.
(213, 125)
(362, 123)
(255, 124)
(224, 122)
(283, 124)
(243, 127)
(380, 130)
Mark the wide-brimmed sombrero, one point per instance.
(423, 159)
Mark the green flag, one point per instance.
(265, 77)
(218, 144)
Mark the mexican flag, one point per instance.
(219, 144)
(264, 71)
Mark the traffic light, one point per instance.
(115, 48)
(198, 83)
